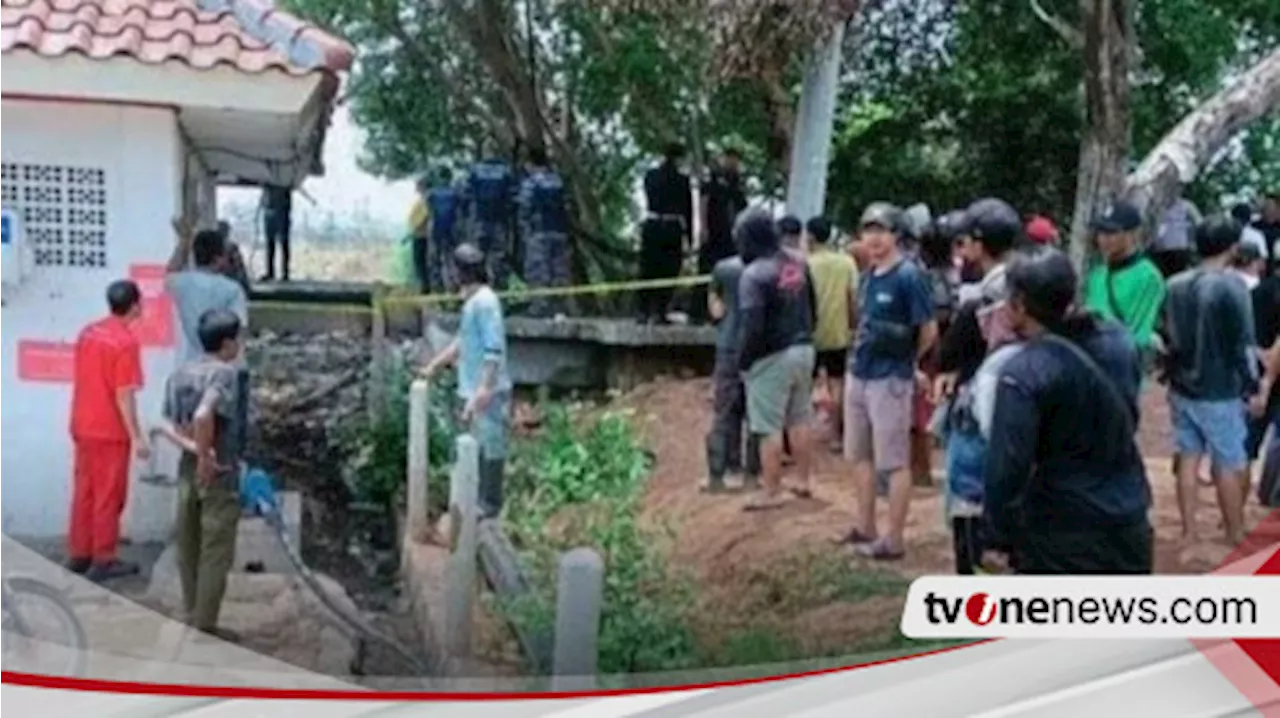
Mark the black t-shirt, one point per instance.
(1266, 317)
(725, 199)
(667, 192)
(776, 305)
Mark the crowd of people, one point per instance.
(975, 332)
(482, 210)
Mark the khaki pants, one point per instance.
(207, 519)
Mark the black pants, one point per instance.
(1172, 261)
(1108, 550)
(661, 243)
(422, 264)
(966, 538)
(492, 472)
(277, 230)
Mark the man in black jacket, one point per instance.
(777, 317)
(665, 231)
(1066, 489)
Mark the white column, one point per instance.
(815, 121)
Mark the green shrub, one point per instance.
(572, 488)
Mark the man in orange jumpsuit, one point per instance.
(104, 430)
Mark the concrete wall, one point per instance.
(137, 150)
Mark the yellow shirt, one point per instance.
(418, 216)
(835, 276)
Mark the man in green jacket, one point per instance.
(1125, 285)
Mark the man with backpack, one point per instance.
(1066, 488)
(544, 227)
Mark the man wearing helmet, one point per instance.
(896, 327)
(480, 351)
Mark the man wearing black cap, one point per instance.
(1125, 286)
(665, 231)
(896, 327)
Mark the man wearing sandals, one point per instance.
(896, 327)
(777, 318)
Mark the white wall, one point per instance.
(140, 151)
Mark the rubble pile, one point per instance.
(306, 389)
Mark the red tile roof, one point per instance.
(248, 35)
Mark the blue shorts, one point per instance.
(1213, 428)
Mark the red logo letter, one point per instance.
(980, 609)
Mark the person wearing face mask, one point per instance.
(1066, 487)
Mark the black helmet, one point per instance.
(995, 223)
(953, 225)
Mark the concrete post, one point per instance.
(418, 461)
(378, 363)
(579, 595)
(815, 120)
(460, 576)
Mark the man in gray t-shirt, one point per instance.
(197, 282)
(724, 441)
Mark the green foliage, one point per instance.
(587, 484)
(379, 451)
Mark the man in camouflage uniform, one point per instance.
(544, 225)
(487, 199)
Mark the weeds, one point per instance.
(573, 488)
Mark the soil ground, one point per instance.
(748, 564)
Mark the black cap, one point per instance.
(1119, 217)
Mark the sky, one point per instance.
(345, 191)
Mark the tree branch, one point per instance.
(1065, 30)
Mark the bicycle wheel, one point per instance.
(41, 632)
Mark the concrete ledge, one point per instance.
(309, 319)
(597, 330)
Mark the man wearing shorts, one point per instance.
(835, 282)
(777, 318)
(896, 327)
(1209, 319)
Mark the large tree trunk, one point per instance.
(1180, 156)
(1105, 145)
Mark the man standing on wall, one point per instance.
(666, 227)
(277, 222)
(104, 430)
(544, 229)
(488, 196)
(896, 327)
(723, 198)
(480, 351)
(442, 205)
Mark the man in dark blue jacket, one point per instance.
(1066, 489)
(489, 197)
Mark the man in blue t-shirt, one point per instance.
(480, 351)
(896, 327)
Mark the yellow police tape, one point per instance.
(385, 302)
